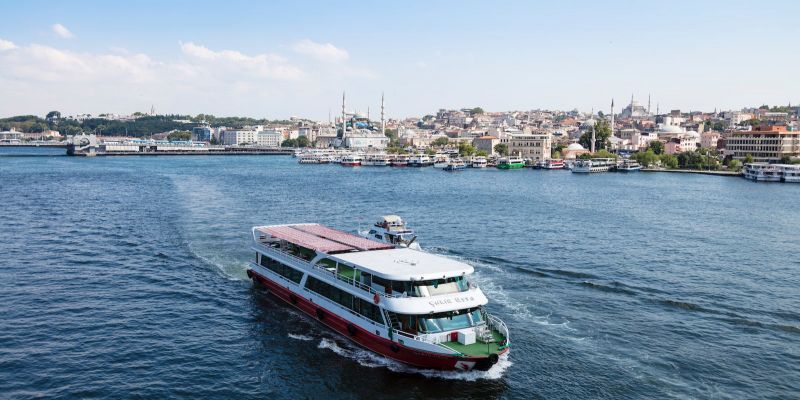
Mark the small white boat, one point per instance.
(628, 165)
(456, 164)
(352, 160)
(392, 229)
(479, 162)
(594, 165)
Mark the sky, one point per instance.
(280, 59)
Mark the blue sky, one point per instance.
(295, 58)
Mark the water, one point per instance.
(125, 277)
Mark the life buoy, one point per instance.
(376, 299)
(351, 329)
(320, 313)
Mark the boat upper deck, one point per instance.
(320, 238)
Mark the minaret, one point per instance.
(344, 117)
(612, 117)
(648, 103)
(593, 139)
(383, 120)
(368, 119)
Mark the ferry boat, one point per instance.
(351, 160)
(593, 165)
(399, 160)
(441, 161)
(419, 160)
(376, 160)
(763, 172)
(479, 162)
(308, 158)
(791, 173)
(628, 165)
(392, 229)
(553, 164)
(414, 307)
(456, 164)
(512, 162)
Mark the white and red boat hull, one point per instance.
(370, 340)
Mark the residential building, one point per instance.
(236, 137)
(709, 139)
(270, 138)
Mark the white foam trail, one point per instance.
(300, 337)
(369, 359)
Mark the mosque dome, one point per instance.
(575, 147)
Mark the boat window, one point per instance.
(447, 321)
(379, 237)
(281, 269)
(440, 286)
(345, 299)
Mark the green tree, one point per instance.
(53, 117)
(669, 161)
(734, 165)
(465, 149)
(441, 141)
(430, 151)
(501, 148)
(646, 158)
(302, 141)
(476, 111)
(657, 146)
(289, 143)
(556, 154)
(481, 153)
(602, 131)
(179, 135)
(748, 159)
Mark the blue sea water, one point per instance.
(125, 278)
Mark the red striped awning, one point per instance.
(322, 238)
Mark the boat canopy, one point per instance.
(321, 238)
(404, 264)
(392, 219)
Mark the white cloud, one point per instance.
(62, 31)
(263, 65)
(322, 51)
(7, 45)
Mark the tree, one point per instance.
(289, 143)
(481, 153)
(302, 141)
(734, 165)
(602, 131)
(748, 159)
(465, 149)
(441, 141)
(646, 158)
(501, 148)
(657, 146)
(430, 151)
(179, 135)
(669, 161)
(476, 111)
(53, 117)
(556, 154)
(752, 122)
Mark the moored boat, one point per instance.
(399, 160)
(593, 165)
(479, 162)
(441, 160)
(511, 162)
(553, 163)
(414, 307)
(419, 160)
(628, 165)
(763, 172)
(392, 229)
(351, 160)
(376, 160)
(456, 164)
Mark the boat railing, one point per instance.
(497, 324)
(350, 281)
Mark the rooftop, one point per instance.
(405, 264)
(321, 238)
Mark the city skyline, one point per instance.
(284, 60)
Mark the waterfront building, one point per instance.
(766, 143)
(10, 136)
(485, 143)
(270, 138)
(236, 137)
(687, 141)
(201, 133)
(534, 146)
(709, 139)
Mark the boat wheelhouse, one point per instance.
(511, 162)
(593, 165)
(415, 307)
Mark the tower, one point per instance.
(344, 118)
(383, 119)
(612, 117)
(648, 103)
(593, 139)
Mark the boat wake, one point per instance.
(298, 336)
(369, 359)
